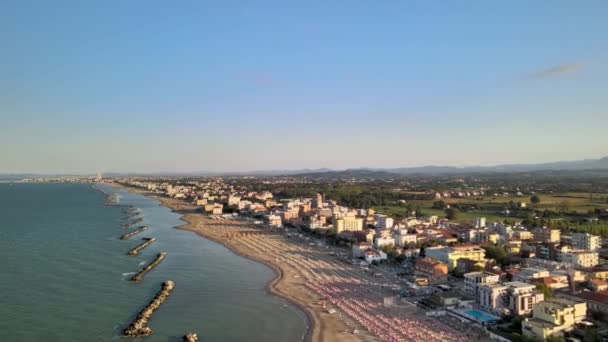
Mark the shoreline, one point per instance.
(270, 285)
(315, 329)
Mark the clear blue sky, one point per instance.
(233, 85)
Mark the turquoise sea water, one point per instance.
(64, 273)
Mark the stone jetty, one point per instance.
(139, 276)
(139, 327)
(129, 208)
(112, 199)
(136, 231)
(128, 224)
(190, 337)
(129, 216)
(147, 242)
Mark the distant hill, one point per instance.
(586, 164)
(351, 173)
(376, 173)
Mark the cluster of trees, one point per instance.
(356, 196)
(497, 253)
(439, 205)
(568, 226)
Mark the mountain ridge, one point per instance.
(572, 165)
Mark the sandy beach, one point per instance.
(315, 280)
(251, 241)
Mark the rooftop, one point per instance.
(597, 297)
(519, 284)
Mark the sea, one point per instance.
(64, 273)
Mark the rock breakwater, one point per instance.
(136, 231)
(139, 327)
(128, 224)
(139, 276)
(146, 243)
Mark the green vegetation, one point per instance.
(547, 292)
(571, 201)
(535, 199)
(497, 253)
(451, 214)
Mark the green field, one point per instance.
(401, 211)
(571, 206)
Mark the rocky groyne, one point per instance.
(112, 199)
(139, 276)
(136, 231)
(128, 224)
(129, 209)
(147, 242)
(139, 327)
(129, 216)
(190, 337)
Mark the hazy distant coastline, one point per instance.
(600, 164)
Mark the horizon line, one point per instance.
(371, 168)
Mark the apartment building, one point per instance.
(383, 221)
(546, 235)
(552, 317)
(348, 223)
(402, 238)
(473, 280)
(579, 258)
(586, 241)
(515, 298)
(450, 255)
(530, 274)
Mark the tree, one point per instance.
(451, 213)
(388, 249)
(516, 323)
(439, 204)
(477, 268)
(497, 253)
(535, 199)
(418, 212)
(546, 290)
(422, 253)
(591, 335)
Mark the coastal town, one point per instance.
(371, 276)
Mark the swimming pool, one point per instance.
(480, 315)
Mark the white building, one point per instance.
(516, 298)
(381, 241)
(274, 221)
(360, 248)
(402, 238)
(586, 241)
(579, 258)
(372, 255)
(529, 274)
(316, 222)
(233, 200)
(383, 221)
(473, 280)
(504, 230)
